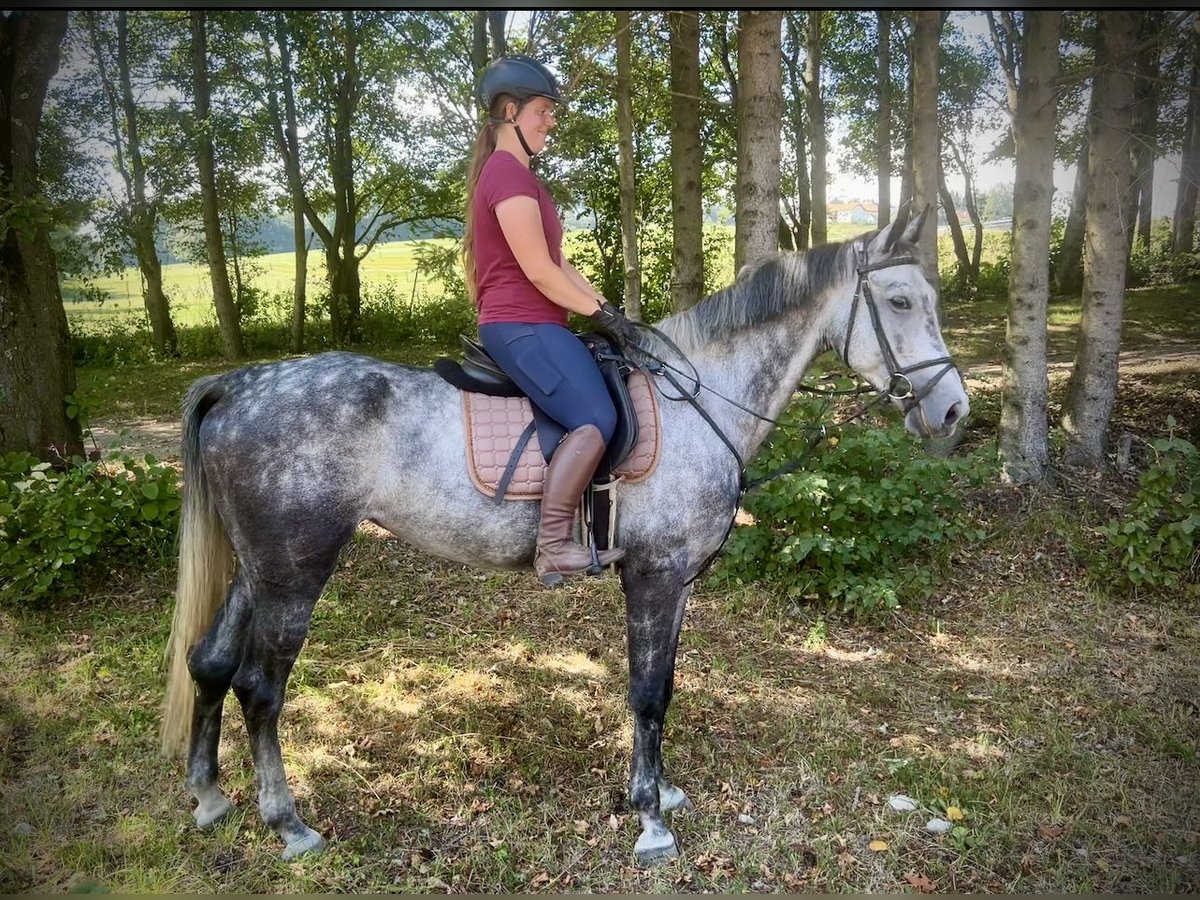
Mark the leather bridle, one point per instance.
(899, 386)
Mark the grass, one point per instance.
(451, 729)
(456, 730)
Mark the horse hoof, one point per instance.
(310, 842)
(652, 848)
(552, 579)
(671, 798)
(208, 814)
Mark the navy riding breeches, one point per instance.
(553, 367)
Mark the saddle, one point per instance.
(506, 433)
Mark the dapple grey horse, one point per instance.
(283, 461)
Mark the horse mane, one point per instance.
(762, 292)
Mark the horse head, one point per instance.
(891, 335)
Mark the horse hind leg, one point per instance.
(280, 623)
(212, 663)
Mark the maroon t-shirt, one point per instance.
(503, 293)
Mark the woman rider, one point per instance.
(524, 288)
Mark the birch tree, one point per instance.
(796, 188)
(884, 123)
(629, 229)
(760, 108)
(816, 125)
(1092, 388)
(1027, 47)
(1183, 230)
(926, 146)
(687, 222)
(1145, 111)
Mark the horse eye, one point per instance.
(900, 302)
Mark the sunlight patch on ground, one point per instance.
(474, 685)
(389, 697)
(871, 654)
(571, 664)
(320, 712)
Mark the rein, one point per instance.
(898, 387)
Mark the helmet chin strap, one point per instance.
(521, 138)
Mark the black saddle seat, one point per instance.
(479, 373)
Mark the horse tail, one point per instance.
(205, 568)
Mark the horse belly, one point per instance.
(435, 508)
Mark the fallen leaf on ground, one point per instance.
(922, 883)
(1050, 832)
(878, 846)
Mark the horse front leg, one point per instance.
(655, 600)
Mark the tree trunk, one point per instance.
(496, 19)
(883, 127)
(1145, 110)
(760, 109)
(906, 170)
(227, 311)
(926, 145)
(143, 214)
(1023, 423)
(687, 213)
(1183, 230)
(1093, 384)
(629, 230)
(956, 233)
(36, 371)
(341, 256)
(287, 136)
(801, 213)
(973, 214)
(479, 42)
(816, 126)
(1068, 274)
(299, 279)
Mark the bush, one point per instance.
(1154, 543)
(856, 527)
(1157, 264)
(115, 341)
(61, 527)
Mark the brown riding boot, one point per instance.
(571, 468)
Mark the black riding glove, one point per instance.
(613, 324)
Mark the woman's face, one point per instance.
(535, 120)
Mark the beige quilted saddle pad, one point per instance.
(494, 425)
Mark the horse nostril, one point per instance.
(953, 414)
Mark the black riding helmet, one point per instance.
(521, 77)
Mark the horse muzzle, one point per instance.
(936, 411)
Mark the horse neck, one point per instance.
(761, 365)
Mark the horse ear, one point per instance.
(913, 231)
(883, 241)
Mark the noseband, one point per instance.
(899, 386)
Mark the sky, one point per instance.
(987, 175)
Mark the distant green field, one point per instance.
(190, 291)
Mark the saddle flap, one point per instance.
(494, 426)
